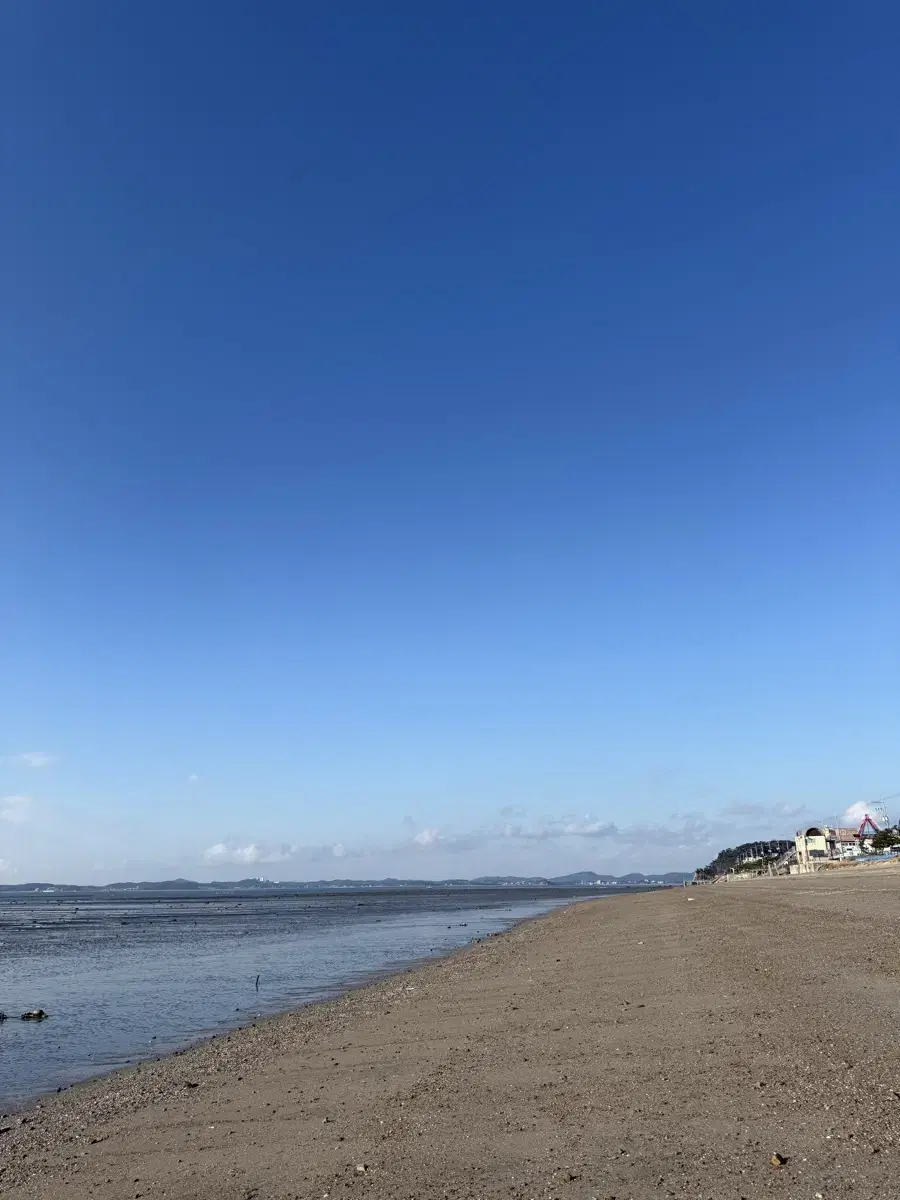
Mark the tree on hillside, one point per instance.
(732, 858)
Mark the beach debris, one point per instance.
(257, 983)
(361, 1168)
(189, 1083)
(35, 1014)
(778, 1160)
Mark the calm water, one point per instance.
(133, 976)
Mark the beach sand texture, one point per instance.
(655, 1045)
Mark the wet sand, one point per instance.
(659, 1044)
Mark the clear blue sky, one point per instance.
(444, 438)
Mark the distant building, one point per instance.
(821, 843)
(812, 846)
(848, 843)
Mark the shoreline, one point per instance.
(15, 1106)
(203, 985)
(65, 1112)
(667, 1044)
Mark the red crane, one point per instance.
(867, 820)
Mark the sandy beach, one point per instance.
(660, 1044)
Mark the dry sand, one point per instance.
(660, 1044)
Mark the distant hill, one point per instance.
(164, 885)
(576, 879)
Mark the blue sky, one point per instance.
(443, 439)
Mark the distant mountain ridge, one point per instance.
(576, 879)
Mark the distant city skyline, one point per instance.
(443, 441)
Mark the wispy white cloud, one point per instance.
(680, 841)
(233, 853)
(193, 777)
(15, 809)
(855, 814)
(427, 837)
(222, 852)
(686, 831)
(765, 812)
(34, 758)
(584, 825)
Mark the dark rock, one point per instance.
(36, 1014)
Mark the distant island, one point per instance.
(577, 879)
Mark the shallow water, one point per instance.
(133, 976)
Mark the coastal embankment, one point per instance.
(709, 1042)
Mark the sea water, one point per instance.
(129, 976)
